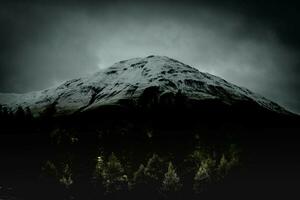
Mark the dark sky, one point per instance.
(255, 44)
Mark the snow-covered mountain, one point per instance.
(128, 79)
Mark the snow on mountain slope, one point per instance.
(128, 79)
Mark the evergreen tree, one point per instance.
(99, 167)
(114, 177)
(66, 176)
(201, 179)
(196, 158)
(209, 164)
(223, 167)
(51, 179)
(50, 170)
(171, 182)
(153, 175)
(140, 184)
(98, 176)
(154, 168)
(139, 177)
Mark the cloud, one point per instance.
(46, 44)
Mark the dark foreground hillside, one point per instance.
(156, 152)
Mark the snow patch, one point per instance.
(128, 79)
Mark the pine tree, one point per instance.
(97, 179)
(209, 165)
(114, 177)
(153, 175)
(223, 167)
(154, 168)
(233, 156)
(50, 170)
(51, 178)
(201, 179)
(171, 182)
(139, 182)
(139, 175)
(66, 177)
(99, 168)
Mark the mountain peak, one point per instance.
(128, 79)
(152, 62)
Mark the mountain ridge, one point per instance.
(128, 79)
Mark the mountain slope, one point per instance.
(128, 80)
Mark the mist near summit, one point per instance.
(47, 43)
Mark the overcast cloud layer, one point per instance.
(44, 44)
